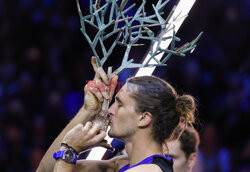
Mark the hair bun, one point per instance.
(185, 105)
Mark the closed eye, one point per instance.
(118, 101)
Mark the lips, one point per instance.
(110, 122)
(110, 119)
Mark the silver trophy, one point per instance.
(108, 14)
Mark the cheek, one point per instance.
(119, 117)
(122, 117)
(179, 164)
(114, 108)
(125, 120)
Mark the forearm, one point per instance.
(62, 166)
(47, 163)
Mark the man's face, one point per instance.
(179, 158)
(123, 115)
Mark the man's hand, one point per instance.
(98, 89)
(76, 135)
(83, 137)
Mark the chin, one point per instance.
(110, 134)
(113, 135)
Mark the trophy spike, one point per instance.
(132, 28)
(128, 29)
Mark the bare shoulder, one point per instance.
(101, 165)
(95, 165)
(145, 168)
(121, 161)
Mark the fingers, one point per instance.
(104, 144)
(113, 86)
(99, 137)
(83, 137)
(100, 74)
(88, 126)
(101, 90)
(94, 65)
(103, 75)
(99, 96)
(95, 129)
(93, 133)
(96, 133)
(98, 89)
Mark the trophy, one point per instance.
(127, 31)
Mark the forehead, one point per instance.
(125, 92)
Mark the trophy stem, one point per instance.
(102, 118)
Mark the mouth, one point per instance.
(109, 119)
(110, 122)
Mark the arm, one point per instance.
(81, 138)
(92, 106)
(111, 165)
(47, 163)
(85, 165)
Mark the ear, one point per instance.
(192, 160)
(144, 119)
(165, 146)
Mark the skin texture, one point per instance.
(145, 168)
(135, 132)
(123, 116)
(90, 134)
(91, 107)
(181, 163)
(131, 127)
(47, 163)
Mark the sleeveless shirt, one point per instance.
(164, 162)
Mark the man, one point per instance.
(184, 150)
(145, 112)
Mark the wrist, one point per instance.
(64, 164)
(65, 146)
(67, 154)
(62, 148)
(90, 112)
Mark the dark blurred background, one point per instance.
(45, 63)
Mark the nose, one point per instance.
(111, 109)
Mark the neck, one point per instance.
(139, 148)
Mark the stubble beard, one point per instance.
(127, 134)
(111, 134)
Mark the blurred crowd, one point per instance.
(45, 63)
